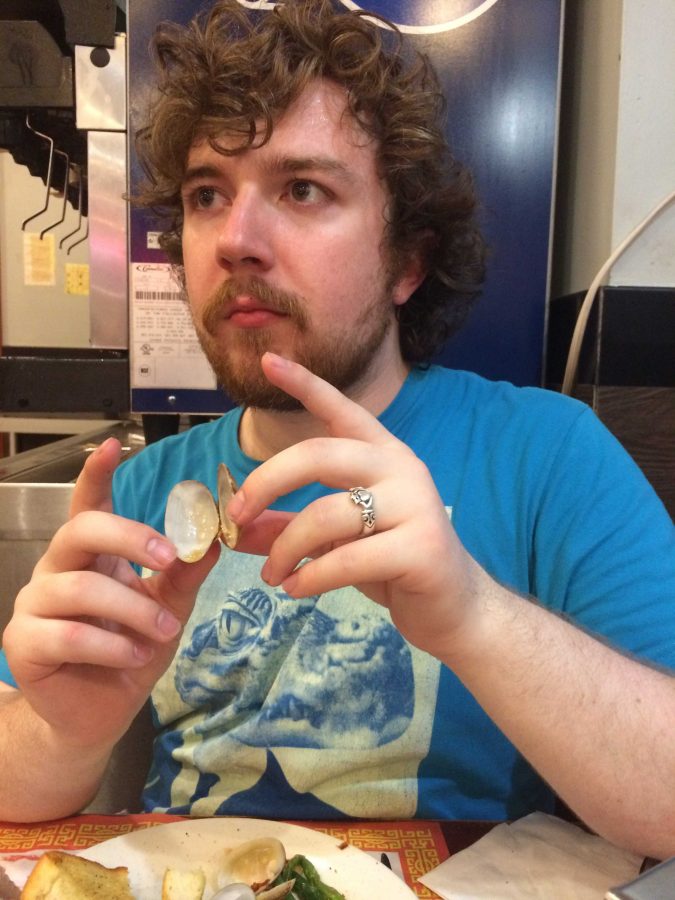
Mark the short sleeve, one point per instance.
(605, 545)
(5, 674)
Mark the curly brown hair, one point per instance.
(233, 70)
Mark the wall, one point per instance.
(38, 315)
(617, 136)
(645, 156)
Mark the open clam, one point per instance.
(192, 520)
(256, 863)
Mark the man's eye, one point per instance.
(204, 197)
(305, 191)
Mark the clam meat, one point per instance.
(256, 863)
(192, 520)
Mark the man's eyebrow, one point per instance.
(275, 165)
(199, 173)
(309, 164)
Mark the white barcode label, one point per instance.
(157, 295)
(165, 351)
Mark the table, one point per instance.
(413, 847)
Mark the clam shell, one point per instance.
(227, 488)
(191, 519)
(277, 892)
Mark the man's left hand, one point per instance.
(410, 561)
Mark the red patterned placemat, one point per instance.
(413, 847)
(418, 846)
(76, 833)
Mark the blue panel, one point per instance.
(500, 77)
(170, 400)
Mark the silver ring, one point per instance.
(363, 498)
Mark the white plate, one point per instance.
(201, 842)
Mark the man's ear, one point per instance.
(415, 269)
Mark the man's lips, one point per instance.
(247, 312)
(235, 306)
(254, 318)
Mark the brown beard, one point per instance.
(341, 359)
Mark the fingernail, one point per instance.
(167, 623)
(161, 551)
(99, 449)
(236, 504)
(142, 653)
(266, 574)
(279, 362)
(290, 584)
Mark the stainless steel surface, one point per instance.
(35, 491)
(29, 516)
(61, 461)
(101, 109)
(100, 91)
(108, 284)
(31, 511)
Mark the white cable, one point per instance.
(587, 304)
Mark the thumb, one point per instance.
(93, 488)
(176, 587)
(258, 536)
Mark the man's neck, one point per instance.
(263, 432)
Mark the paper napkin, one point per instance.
(539, 857)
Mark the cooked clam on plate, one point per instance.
(256, 863)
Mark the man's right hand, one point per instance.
(89, 638)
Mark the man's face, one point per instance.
(283, 251)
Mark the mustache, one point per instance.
(279, 301)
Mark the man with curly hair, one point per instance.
(464, 602)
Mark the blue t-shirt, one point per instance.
(5, 674)
(317, 708)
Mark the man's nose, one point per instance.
(243, 238)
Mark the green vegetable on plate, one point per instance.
(308, 885)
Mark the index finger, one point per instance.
(341, 416)
(93, 488)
